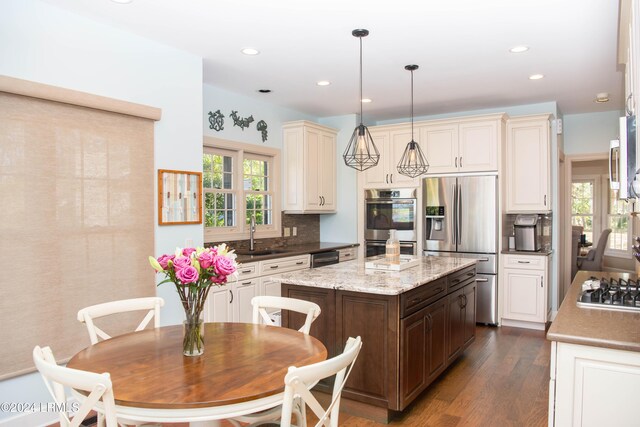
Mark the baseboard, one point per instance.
(523, 324)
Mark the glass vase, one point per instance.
(193, 340)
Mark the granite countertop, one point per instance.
(353, 276)
(285, 251)
(595, 327)
(542, 252)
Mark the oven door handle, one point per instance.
(407, 245)
(377, 244)
(391, 202)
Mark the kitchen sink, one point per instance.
(258, 252)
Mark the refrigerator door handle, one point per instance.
(455, 214)
(459, 219)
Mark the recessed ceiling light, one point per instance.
(122, 1)
(602, 97)
(323, 83)
(250, 51)
(519, 49)
(264, 90)
(366, 100)
(536, 76)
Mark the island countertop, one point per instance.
(595, 327)
(353, 276)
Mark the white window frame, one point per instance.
(597, 201)
(617, 253)
(241, 230)
(234, 190)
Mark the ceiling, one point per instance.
(461, 46)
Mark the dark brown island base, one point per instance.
(413, 323)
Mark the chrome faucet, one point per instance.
(252, 230)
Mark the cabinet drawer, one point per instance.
(461, 278)
(284, 264)
(420, 297)
(248, 270)
(348, 254)
(531, 262)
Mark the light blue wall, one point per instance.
(343, 225)
(590, 133)
(42, 43)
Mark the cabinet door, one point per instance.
(326, 165)
(436, 339)
(378, 176)
(440, 145)
(414, 353)
(313, 149)
(399, 141)
(469, 314)
(455, 324)
(524, 295)
(218, 307)
(269, 287)
(528, 166)
(478, 146)
(243, 293)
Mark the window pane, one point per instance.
(227, 181)
(209, 200)
(207, 180)
(231, 218)
(230, 201)
(227, 164)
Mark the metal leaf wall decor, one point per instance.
(239, 121)
(262, 128)
(216, 121)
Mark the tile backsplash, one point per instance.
(308, 231)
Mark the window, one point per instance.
(582, 205)
(618, 221)
(218, 189)
(240, 181)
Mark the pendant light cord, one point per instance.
(412, 106)
(361, 118)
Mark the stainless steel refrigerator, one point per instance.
(461, 220)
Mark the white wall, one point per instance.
(42, 43)
(590, 133)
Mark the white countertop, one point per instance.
(352, 275)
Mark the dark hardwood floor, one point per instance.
(501, 380)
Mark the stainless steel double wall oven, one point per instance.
(390, 209)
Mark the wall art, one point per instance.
(239, 121)
(179, 197)
(216, 121)
(262, 128)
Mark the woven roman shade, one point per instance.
(76, 222)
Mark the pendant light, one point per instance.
(361, 153)
(413, 162)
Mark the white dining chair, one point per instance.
(299, 380)
(57, 377)
(87, 315)
(263, 303)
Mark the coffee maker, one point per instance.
(528, 231)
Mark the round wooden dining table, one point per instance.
(241, 371)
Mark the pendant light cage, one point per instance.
(361, 152)
(413, 162)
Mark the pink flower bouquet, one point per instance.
(193, 271)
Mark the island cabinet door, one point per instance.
(469, 308)
(422, 350)
(374, 377)
(455, 324)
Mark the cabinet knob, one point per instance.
(231, 293)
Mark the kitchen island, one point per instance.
(413, 323)
(595, 362)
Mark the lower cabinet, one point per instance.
(525, 296)
(593, 386)
(406, 338)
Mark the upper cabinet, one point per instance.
(391, 143)
(309, 168)
(629, 51)
(462, 145)
(528, 164)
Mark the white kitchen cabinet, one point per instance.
(309, 168)
(525, 290)
(462, 146)
(593, 386)
(391, 143)
(243, 293)
(528, 164)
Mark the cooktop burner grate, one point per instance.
(610, 294)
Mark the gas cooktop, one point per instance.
(610, 294)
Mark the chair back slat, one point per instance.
(262, 303)
(87, 315)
